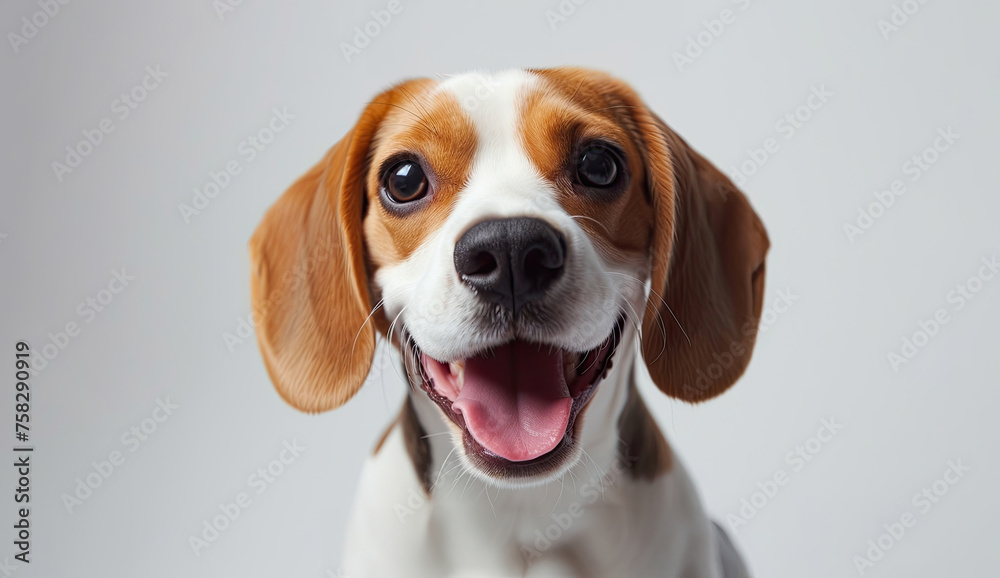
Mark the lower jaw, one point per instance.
(496, 468)
(535, 470)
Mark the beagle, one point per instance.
(531, 243)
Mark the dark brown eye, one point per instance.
(405, 182)
(597, 166)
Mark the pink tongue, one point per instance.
(515, 402)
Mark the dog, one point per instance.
(531, 243)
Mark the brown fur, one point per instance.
(575, 105)
(708, 275)
(433, 126)
(309, 280)
(706, 244)
(417, 446)
(415, 440)
(315, 251)
(640, 442)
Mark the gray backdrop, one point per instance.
(889, 78)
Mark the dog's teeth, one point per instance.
(569, 367)
(458, 372)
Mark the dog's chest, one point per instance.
(589, 524)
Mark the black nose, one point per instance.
(510, 261)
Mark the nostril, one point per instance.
(551, 251)
(482, 263)
(542, 259)
(510, 261)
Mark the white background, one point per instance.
(162, 336)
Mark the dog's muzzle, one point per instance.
(512, 261)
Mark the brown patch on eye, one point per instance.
(572, 107)
(430, 126)
(640, 441)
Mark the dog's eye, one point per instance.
(597, 166)
(406, 182)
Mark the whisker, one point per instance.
(403, 353)
(420, 122)
(562, 487)
(602, 225)
(367, 319)
(464, 489)
(634, 317)
(614, 106)
(441, 469)
(412, 98)
(658, 315)
(545, 495)
(490, 500)
(461, 475)
(453, 468)
(578, 87)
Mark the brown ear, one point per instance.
(707, 272)
(309, 286)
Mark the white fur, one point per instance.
(443, 315)
(471, 525)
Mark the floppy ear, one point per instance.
(707, 270)
(309, 285)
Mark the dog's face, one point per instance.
(506, 232)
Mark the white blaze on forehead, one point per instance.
(503, 181)
(444, 316)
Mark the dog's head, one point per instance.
(507, 233)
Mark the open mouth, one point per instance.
(517, 403)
